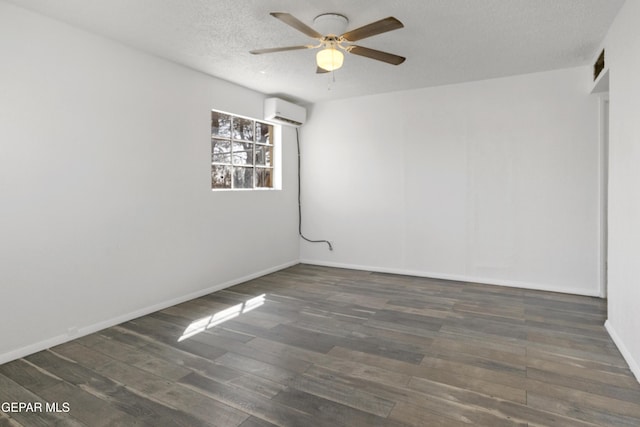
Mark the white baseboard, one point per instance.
(459, 278)
(86, 330)
(633, 365)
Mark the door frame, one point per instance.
(603, 191)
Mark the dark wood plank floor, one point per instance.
(333, 347)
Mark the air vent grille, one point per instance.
(598, 66)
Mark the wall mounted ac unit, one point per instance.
(277, 110)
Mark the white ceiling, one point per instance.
(445, 41)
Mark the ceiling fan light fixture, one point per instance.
(329, 59)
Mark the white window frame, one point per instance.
(273, 142)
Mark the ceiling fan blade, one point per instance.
(320, 70)
(297, 24)
(389, 58)
(279, 49)
(378, 27)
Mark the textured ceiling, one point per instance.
(445, 41)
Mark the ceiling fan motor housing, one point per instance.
(331, 24)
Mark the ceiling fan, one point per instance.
(331, 24)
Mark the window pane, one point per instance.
(220, 151)
(220, 124)
(242, 153)
(263, 178)
(220, 176)
(263, 133)
(237, 146)
(242, 177)
(242, 129)
(264, 155)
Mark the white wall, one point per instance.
(106, 210)
(492, 181)
(622, 56)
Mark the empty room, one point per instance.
(319, 213)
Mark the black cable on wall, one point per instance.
(300, 203)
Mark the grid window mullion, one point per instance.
(242, 152)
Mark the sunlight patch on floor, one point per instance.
(221, 316)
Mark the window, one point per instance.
(242, 153)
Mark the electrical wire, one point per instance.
(300, 203)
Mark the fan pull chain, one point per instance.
(331, 79)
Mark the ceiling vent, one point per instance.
(598, 66)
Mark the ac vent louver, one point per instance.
(286, 120)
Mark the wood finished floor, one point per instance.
(334, 347)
